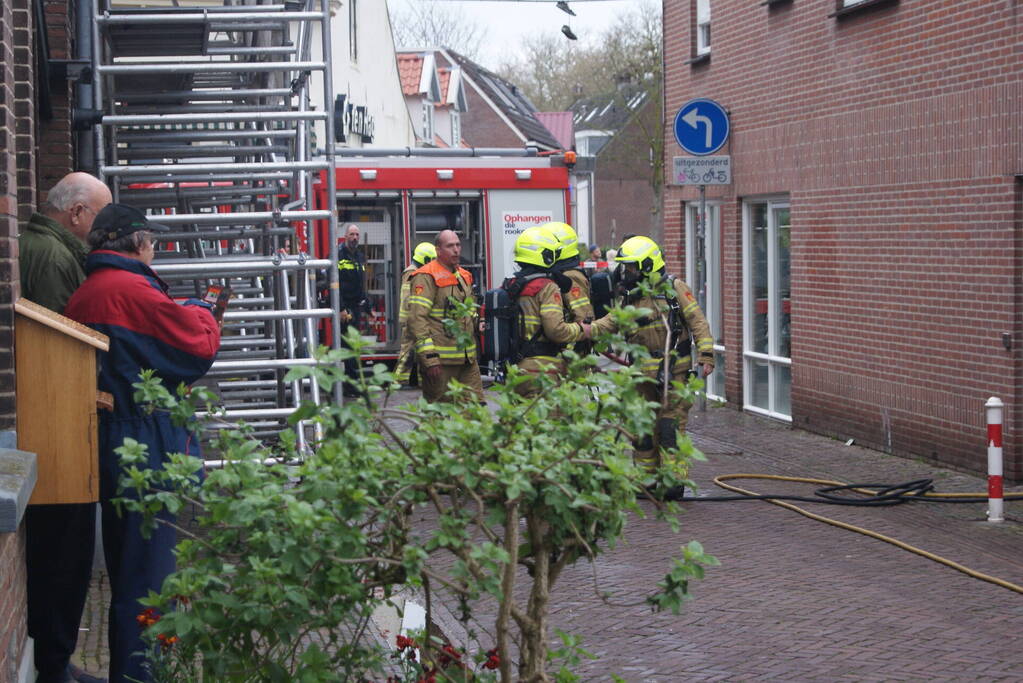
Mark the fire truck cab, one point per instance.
(398, 202)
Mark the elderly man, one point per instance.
(60, 538)
(124, 299)
(434, 288)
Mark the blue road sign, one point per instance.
(701, 126)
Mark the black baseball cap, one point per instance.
(121, 220)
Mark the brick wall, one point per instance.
(895, 133)
(13, 630)
(484, 127)
(625, 199)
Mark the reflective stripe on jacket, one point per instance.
(431, 288)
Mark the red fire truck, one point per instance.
(398, 202)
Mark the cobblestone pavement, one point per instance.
(794, 599)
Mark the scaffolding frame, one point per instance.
(206, 122)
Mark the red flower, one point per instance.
(166, 641)
(148, 617)
(404, 642)
(493, 660)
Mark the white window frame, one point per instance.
(702, 28)
(428, 122)
(456, 128)
(749, 357)
(713, 307)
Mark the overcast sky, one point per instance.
(509, 21)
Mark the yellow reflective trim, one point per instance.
(425, 344)
(420, 301)
(551, 308)
(577, 303)
(690, 307)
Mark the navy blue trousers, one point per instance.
(136, 565)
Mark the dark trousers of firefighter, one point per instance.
(353, 307)
(59, 545)
(468, 374)
(677, 410)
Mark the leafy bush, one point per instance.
(294, 550)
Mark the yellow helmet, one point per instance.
(642, 251)
(536, 246)
(424, 253)
(567, 239)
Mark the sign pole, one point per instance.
(701, 284)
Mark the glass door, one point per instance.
(711, 299)
(767, 304)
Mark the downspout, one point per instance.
(85, 144)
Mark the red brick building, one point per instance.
(864, 266)
(36, 148)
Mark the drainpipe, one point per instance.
(85, 146)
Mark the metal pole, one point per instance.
(701, 281)
(994, 408)
(331, 177)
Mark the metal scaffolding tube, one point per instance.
(239, 217)
(173, 170)
(283, 50)
(193, 95)
(291, 314)
(220, 268)
(207, 67)
(165, 177)
(241, 117)
(268, 364)
(218, 14)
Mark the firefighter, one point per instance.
(423, 254)
(434, 288)
(545, 331)
(577, 298)
(679, 315)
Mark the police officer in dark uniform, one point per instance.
(351, 263)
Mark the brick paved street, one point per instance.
(794, 599)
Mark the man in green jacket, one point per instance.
(52, 243)
(60, 539)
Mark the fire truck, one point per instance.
(488, 197)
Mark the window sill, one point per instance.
(774, 3)
(699, 59)
(844, 12)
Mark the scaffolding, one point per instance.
(207, 121)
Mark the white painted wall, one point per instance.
(371, 79)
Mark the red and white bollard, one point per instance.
(994, 459)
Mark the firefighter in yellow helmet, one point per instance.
(544, 331)
(577, 298)
(676, 314)
(421, 255)
(441, 355)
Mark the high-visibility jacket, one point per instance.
(543, 310)
(428, 305)
(577, 298)
(652, 331)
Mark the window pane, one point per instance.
(758, 275)
(759, 378)
(782, 389)
(716, 380)
(782, 297)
